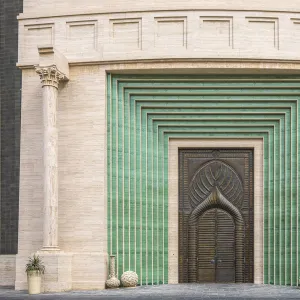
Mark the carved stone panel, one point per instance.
(215, 215)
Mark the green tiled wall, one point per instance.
(143, 112)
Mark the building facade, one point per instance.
(163, 132)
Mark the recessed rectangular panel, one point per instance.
(206, 275)
(82, 37)
(37, 35)
(126, 34)
(170, 32)
(225, 275)
(295, 33)
(262, 33)
(216, 32)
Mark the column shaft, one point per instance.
(50, 169)
(50, 78)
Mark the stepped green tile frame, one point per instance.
(144, 112)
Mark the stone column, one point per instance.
(50, 77)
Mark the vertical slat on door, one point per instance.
(206, 246)
(225, 244)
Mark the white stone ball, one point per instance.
(129, 279)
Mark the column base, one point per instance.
(65, 271)
(58, 270)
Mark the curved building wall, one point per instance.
(180, 34)
(103, 44)
(56, 7)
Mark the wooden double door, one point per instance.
(215, 215)
(216, 247)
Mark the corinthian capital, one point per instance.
(50, 75)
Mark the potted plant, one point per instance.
(34, 270)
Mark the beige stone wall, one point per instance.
(31, 165)
(193, 37)
(162, 34)
(81, 157)
(71, 6)
(81, 175)
(7, 270)
(82, 167)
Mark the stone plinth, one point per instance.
(58, 273)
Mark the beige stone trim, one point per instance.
(48, 8)
(257, 145)
(189, 66)
(207, 66)
(160, 35)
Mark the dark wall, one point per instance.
(10, 109)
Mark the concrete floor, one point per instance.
(178, 291)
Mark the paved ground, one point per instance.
(174, 292)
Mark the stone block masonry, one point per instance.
(113, 187)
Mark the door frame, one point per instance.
(174, 144)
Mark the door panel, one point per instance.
(221, 182)
(225, 247)
(216, 247)
(206, 246)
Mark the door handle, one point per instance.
(216, 260)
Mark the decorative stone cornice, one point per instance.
(50, 75)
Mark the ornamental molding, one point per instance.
(50, 75)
